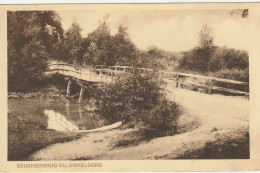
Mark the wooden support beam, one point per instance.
(68, 88)
(68, 108)
(80, 111)
(81, 94)
(100, 75)
(177, 81)
(112, 76)
(210, 86)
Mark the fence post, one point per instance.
(100, 75)
(210, 85)
(112, 76)
(177, 81)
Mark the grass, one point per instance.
(25, 137)
(133, 138)
(237, 148)
(185, 123)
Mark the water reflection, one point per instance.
(58, 115)
(58, 122)
(73, 117)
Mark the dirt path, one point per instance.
(208, 106)
(222, 118)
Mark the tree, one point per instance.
(206, 37)
(99, 50)
(123, 49)
(72, 45)
(199, 57)
(224, 58)
(32, 38)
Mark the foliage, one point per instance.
(233, 74)
(98, 52)
(196, 59)
(32, 40)
(206, 37)
(36, 36)
(138, 98)
(104, 49)
(124, 50)
(224, 58)
(72, 44)
(152, 58)
(199, 57)
(215, 61)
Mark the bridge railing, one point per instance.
(83, 73)
(208, 84)
(198, 83)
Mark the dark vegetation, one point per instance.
(228, 148)
(32, 40)
(139, 100)
(207, 59)
(26, 137)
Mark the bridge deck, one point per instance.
(110, 74)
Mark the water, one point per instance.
(57, 115)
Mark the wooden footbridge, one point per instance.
(106, 75)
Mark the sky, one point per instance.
(170, 30)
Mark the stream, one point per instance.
(57, 115)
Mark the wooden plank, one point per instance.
(111, 71)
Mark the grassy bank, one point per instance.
(226, 148)
(25, 137)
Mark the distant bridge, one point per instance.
(101, 74)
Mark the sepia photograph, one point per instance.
(128, 84)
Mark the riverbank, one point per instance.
(25, 137)
(205, 131)
(196, 141)
(27, 126)
(28, 133)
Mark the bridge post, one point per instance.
(80, 111)
(210, 86)
(81, 94)
(68, 88)
(100, 75)
(112, 77)
(177, 81)
(68, 108)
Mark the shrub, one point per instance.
(233, 74)
(162, 118)
(138, 99)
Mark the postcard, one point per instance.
(130, 87)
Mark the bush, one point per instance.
(233, 74)
(196, 59)
(162, 118)
(224, 58)
(138, 99)
(222, 62)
